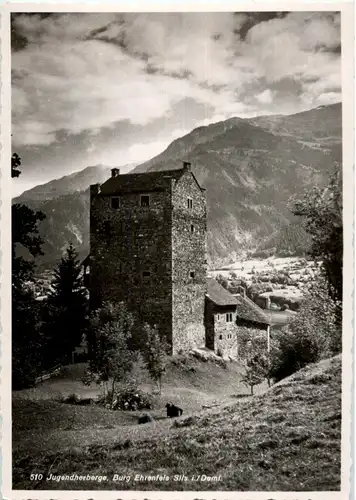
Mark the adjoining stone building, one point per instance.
(220, 320)
(148, 249)
(226, 314)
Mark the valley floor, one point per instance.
(283, 439)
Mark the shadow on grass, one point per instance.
(241, 396)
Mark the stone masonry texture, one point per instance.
(221, 329)
(153, 257)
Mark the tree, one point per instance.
(315, 334)
(254, 374)
(154, 354)
(222, 280)
(253, 351)
(113, 359)
(15, 163)
(27, 341)
(25, 240)
(67, 306)
(318, 318)
(321, 210)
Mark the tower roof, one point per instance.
(142, 182)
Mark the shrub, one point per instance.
(129, 398)
(293, 353)
(72, 399)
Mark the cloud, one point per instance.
(136, 153)
(291, 47)
(329, 98)
(265, 97)
(85, 72)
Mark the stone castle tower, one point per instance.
(148, 249)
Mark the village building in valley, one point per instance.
(148, 249)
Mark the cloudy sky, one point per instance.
(118, 88)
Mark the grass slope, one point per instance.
(287, 439)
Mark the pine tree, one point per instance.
(67, 306)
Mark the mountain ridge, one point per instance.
(71, 183)
(249, 168)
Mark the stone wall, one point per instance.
(220, 333)
(209, 324)
(125, 244)
(167, 240)
(188, 256)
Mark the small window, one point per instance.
(115, 202)
(192, 274)
(220, 337)
(145, 200)
(218, 316)
(146, 274)
(190, 203)
(229, 317)
(192, 228)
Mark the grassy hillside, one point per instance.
(287, 439)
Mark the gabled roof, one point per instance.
(141, 182)
(246, 309)
(218, 294)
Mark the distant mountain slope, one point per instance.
(288, 241)
(249, 167)
(184, 145)
(250, 172)
(322, 125)
(65, 202)
(78, 181)
(67, 220)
